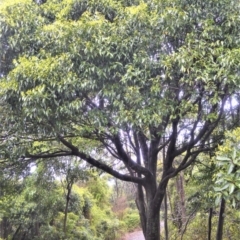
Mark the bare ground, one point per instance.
(138, 235)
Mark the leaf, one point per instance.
(218, 200)
(230, 169)
(223, 158)
(219, 181)
(234, 153)
(231, 188)
(225, 187)
(236, 161)
(238, 196)
(217, 189)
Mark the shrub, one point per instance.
(131, 219)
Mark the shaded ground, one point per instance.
(138, 235)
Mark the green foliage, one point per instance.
(33, 205)
(227, 183)
(131, 219)
(199, 188)
(196, 232)
(193, 230)
(99, 189)
(58, 55)
(40, 215)
(110, 79)
(197, 227)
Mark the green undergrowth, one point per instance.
(39, 215)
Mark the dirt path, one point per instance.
(138, 235)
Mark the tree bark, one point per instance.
(149, 213)
(153, 227)
(165, 199)
(181, 203)
(210, 223)
(5, 227)
(15, 235)
(150, 222)
(141, 208)
(166, 216)
(221, 221)
(69, 189)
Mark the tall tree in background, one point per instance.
(106, 80)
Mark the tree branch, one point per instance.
(126, 159)
(99, 164)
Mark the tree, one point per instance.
(200, 196)
(106, 81)
(69, 172)
(29, 212)
(29, 209)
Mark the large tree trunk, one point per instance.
(221, 220)
(149, 213)
(153, 227)
(150, 222)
